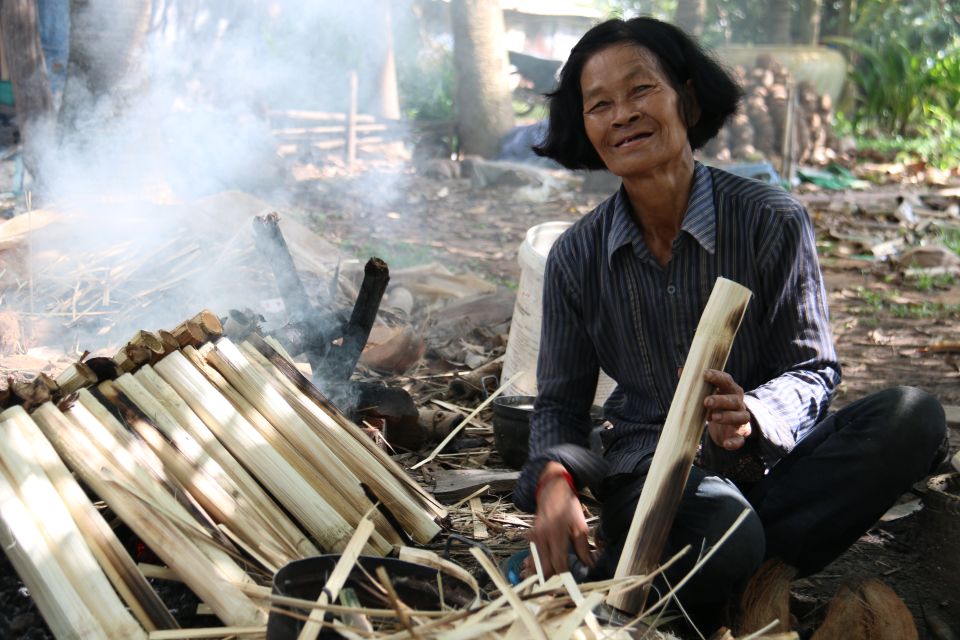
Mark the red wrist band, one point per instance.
(563, 473)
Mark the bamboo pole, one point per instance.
(163, 536)
(351, 501)
(55, 596)
(268, 511)
(214, 499)
(285, 366)
(397, 499)
(136, 592)
(249, 446)
(63, 536)
(678, 442)
(76, 376)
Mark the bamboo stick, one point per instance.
(206, 491)
(397, 499)
(76, 376)
(525, 615)
(60, 531)
(199, 329)
(678, 442)
(338, 578)
(55, 596)
(284, 528)
(285, 366)
(168, 341)
(245, 442)
(209, 632)
(350, 500)
(163, 536)
(143, 601)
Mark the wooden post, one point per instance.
(352, 120)
(678, 442)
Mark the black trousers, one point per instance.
(814, 504)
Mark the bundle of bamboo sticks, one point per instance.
(223, 459)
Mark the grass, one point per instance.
(875, 303)
(950, 239)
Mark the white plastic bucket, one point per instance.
(523, 343)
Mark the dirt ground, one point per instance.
(882, 325)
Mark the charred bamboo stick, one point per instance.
(294, 434)
(168, 341)
(76, 376)
(249, 446)
(164, 537)
(61, 533)
(272, 246)
(136, 592)
(284, 528)
(131, 357)
(105, 368)
(205, 490)
(678, 443)
(343, 360)
(285, 366)
(151, 341)
(33, 393)
(396, 497)
(55, 596)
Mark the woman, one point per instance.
(624, 290)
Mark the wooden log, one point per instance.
(165, 537)
(119, 567)
(679, 439)
(75, 377)
(220, 504)
(283, 527)
(396, 498)
(250, 447)
(298, 443)
(55, 596)
(53, 519)
(289, 371)
(472, 383)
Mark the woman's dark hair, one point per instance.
(680, 59)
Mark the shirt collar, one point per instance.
(700, 220)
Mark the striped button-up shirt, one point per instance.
(608, 304)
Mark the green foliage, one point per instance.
(425, 83)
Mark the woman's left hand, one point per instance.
(728, 419)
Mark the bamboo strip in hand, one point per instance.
(681, 434)
(397, 499)
(61, 533)
(334, 471)
(119, 567)
(284, 528)
(205, 490)
(55, 596)
(162, 536)
(286, 367)
(250, 447)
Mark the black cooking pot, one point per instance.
(511, 427)
(417, 585)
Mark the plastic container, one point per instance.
(523, 343)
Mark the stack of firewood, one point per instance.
(221, 457)
(773, 102)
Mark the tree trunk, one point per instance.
(810, 14)
(689, 16)
(778, 22)
(484, 105)
(848, 9)
(389, 103)
(28, 75)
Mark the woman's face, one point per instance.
(631, 112)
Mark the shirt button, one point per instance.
(671, 289)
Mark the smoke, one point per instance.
(138, 168)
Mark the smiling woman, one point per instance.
(624, 288)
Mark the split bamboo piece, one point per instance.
(679, 439)
(397, 499)
(206, 491)
(284, 528)
(76, 376)
(288, 369)
(118, 444)
(338, 578)
(249, 446)
(299, 444)
(55, 596)
(119, 567)
(162, 535)
(524, 614)
(61, 533)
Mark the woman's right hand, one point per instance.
(559, 521)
